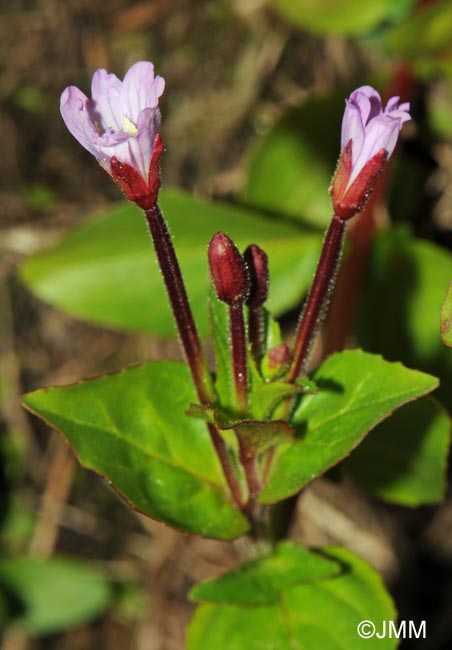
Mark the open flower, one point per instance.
(369, 136)
(120, 127)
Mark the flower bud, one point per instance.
(276, 361)
(257, 262)
(228, 270)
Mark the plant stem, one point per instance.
(238, 354)
(172, 276)
(316, 305)
(256, 331)
(227, 466)
(180, 306)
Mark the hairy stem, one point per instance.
(238, 354)
(256, 331)
(172, 276)
(316, 304)
(180, 306)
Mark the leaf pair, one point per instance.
(132, 428)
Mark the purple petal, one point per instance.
(139, 90)
(392, 104)
(382, 133)
(120, 149)
(401, 115)
(75, 110)
(141, 146)
(368, 100)
(352, 128)
(106, 93)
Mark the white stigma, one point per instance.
(129, 126)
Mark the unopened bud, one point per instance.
(228, 270)
(279, 356)
(276, 361)
(257, 262)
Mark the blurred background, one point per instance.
(251, 115)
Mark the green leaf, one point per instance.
(446, 318)
(256, 435)
(356, 391)
(261, 582)
(265, 397)
(341, 17)
(132, 429)
(105, 271)
(54, 594)
(290, 168)
(424, 39)
(401, 302)
(404, 460)
(322, 614)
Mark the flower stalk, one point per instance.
(231, 281)
(316, 304)
(180, 306)
(172, 276)
(257, 263)
(238, 354)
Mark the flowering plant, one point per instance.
(220, 452)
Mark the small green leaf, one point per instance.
(260, 582)
(400, 311)
(266, 397)
(257, 435)
(356, 391)
(54, 594)
(322, 614)
(301, 152)
(446, 318)
(404, 460)
(132, 429)
(105, 271)
(260, 436)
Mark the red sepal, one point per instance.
(154, 167)
(349, 202)
(342, 173)
(133, 185)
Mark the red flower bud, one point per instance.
(257, 262)
(228, 270)
(279, 357)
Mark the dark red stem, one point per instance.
(256, 331)
(227, 466)
(172, 276)
(249, 463)
(316, 304)
(180, 306)
(238, 354)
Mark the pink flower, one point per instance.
(120, 127)
(369, 136)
